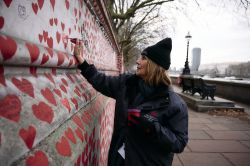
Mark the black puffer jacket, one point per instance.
(141, 149)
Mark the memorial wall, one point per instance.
(49, 114)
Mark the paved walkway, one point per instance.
(216, 141)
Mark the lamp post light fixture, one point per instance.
(186, 69)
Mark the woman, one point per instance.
(151, 121)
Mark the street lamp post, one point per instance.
(186, 69)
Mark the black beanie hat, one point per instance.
(160, 53)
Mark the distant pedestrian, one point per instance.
(151, 121)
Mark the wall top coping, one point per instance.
(244, 82)
(100, 11)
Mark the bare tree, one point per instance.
(243, 3)
(133, 20)
(239, 70)
(121, 10)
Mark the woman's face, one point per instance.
(141, 66)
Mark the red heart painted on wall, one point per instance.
(69, 76)
(85, 96)
(10, 108)
(50, 77)
(62, 25)
(7, 2)
(2, 78)
(67, 4)
(43, 112)
(64, 82)
(51, 21)
(78, 162)
(55, 21)
(79, 133)
(40, 38)
(60, 56)
(80, 14)
(77, 88)
(58, 37)
(1, 22)
(33, 71)
(78, 121)
(39, 159)
(40, 3)
(58, 92)
(8, 47)
(50, 51)
(47, 94)
(75, 10)
(77, 92)
(83, 86)
(70, 135)
(34, 51)
(75, 102)
(81, 4)
(63, 147)
(86, 118)
(66, 104)
(62, 87)
(52, 2)
(35, 7)
(24, 85)
(44, 59)
(50, 42)
(28, 135)
(45, 35)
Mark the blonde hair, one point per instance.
(156, 75)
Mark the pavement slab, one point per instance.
(187, 149)
(247, 143)
(216, 140)
(224, 120)
(217, 146)
(204, 159)
(216, 127)
(248, 132)
(176, 161)
(236, 126)
(228, 135)
(239, 159)
(198, 134)
(195, 126)
(200, 120)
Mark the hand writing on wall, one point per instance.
(78, 51)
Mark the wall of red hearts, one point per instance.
(49, 114)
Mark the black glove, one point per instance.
(147, 123)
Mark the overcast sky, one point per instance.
(222, 33)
